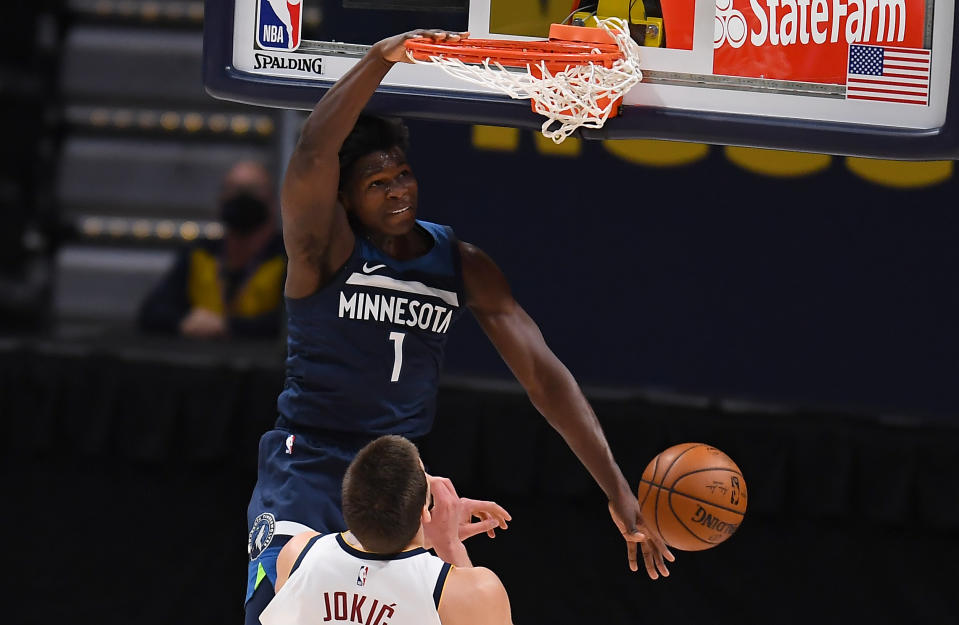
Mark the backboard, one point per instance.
(873, 78)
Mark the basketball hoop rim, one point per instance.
(514, 53)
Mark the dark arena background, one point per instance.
(798, 311)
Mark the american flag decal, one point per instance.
(888, 74)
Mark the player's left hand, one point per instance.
(453, 515)
(485, 511)
(637, 532)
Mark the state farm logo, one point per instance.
(818, 22)
(730, 25)
(808, 40)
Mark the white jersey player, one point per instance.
(380, 572)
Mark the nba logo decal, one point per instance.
(361, 576)
(278, 24)
(289, 443)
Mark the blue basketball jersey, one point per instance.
(365, 352)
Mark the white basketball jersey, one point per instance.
(333, 582)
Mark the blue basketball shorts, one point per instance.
(298, 488)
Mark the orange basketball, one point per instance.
(694, 494)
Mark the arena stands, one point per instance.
(143, 153)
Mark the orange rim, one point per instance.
(513, 53)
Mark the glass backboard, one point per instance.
(856, 77)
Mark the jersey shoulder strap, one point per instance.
(299, 558)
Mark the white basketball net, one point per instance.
(579, 96)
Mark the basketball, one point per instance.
(694, 494)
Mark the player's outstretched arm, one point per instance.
(474, 596)
(315, 229)
(556, 394)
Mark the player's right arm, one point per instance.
(316, 231)
(474, 596)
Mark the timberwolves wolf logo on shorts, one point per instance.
(278, 24)
(260, 535)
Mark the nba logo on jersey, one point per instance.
(278, 24)
(361, 576)
(289, 443)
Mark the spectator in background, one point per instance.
(229, 287)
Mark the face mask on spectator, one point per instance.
(243, 213)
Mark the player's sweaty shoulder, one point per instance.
(487, 290)
(474, 596)
(288, 555)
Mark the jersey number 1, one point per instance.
(397, 338)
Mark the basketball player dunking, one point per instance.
(371, 293)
